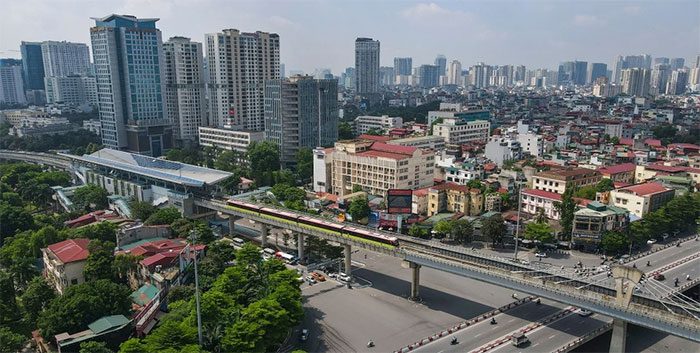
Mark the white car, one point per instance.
(343, 277)
(584, 312)
(651, 241)
(540, 254)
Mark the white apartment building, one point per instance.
(533, 200)
(11, 84)
(460, 172)
(65, 58)
(374, 166)
(500, 149)
(232, 140)
(532, 143)
(365, 123)
(93, 125)
(239, 65)
(73, 90)
(184, 87)
(459, 131)
(556, 180)
(424, 142)
(64, 263)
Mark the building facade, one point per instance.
(64, 263)
(460, 131)
(641, 199)
(533, 200)
(239, 65)
(184, 87)
(636, 82)
(429, 76)
(593, 221)
(429, 142)
(403, 66)
(232, 140)
(32, 65)
(557, 180)
(366, 66)
(301, 112)
(73, 90)
(65, 58)
(128, 54)
(501, 149)
(11, 83)
(365, 123)
(450, 197)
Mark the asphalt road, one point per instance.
(557, 333)
(475, 336)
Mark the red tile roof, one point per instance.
(372, 153)
(71, 250)
(380, 146)
(374, 137)
(454, 186)
(543, 194)
(619, 168)
(665, 168)
(645, 189)
(685, 146)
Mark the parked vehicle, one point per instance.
(304, 335)
(318, 277)
(584, 312)
(519, 339)
(659, 277)
(343, 277)
(541, 254)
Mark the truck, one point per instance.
(519, 339)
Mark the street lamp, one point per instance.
(196, 291)
(517, 224)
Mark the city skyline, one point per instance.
(322, 33)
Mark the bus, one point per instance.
(287, 258)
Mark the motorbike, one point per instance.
(454, 341)
(493, 321)
(370, 344)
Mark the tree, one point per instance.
(417, 231)
(305, 164)
(493, 228)
(566, 209)
(90, 197)
(356, 188)
(36, 298)
(604, 185)
(8, 301)
(614, 242)
(203, 233)
(100, 262)
(229, 161)
(258, 329)
(284, 176)
(345, 131)
(166, 215)
(180, 293)
(103, 231)
(82, 304)
(586, 192)
(375, 132)
(462, 231)
(264, 158)
(94, 347)
(13, 219)
(541, 232)
(540, 216)
(141, 209)
(10, 341)
(475, 184)
(443, 228)
(359, 208)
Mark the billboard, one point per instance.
(399, 200)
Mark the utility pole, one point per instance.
(517, 224)
(196, 291)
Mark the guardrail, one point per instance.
(464, 324)
(583, 339)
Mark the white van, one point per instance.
(238, 241)
(269, 251)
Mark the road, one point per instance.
(474, 336)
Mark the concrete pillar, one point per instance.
(300, 246)
(231, 225)
(415, 281)
(619, 336)
(348, 260)
(263, 235)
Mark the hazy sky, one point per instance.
(321, 33)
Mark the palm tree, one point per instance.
(540, 217)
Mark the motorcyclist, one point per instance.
(538, 301)
(370, 344)
(454, 340)
(493, 321)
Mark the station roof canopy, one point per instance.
(155, 168)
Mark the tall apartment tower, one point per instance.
(677, 63)
(11, 83)
(597, 70)
(301, 111)
(441, 63)
(677, 82)
(480, 75)
(403, 66)
(454, 73)
(32, 66)
(128, 54)
(366, 66)
(184, 87)
(659, 78)
(65, 58)
(239, 65)
(636, 81)
(429, 76)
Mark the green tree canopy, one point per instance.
(10, 341)
(166, 215)
(305, 164)
(345, 131)
(586, 192)
(566, 209)
(94, 347)
(443, 227)
(541, 232)
(359, 208)
(36, 298)
(141, 209)
(462, 231)
(90, 197)
(614, 242)
(604, 185)
(493, 228)
(100, 262)
(419, 232)
(263, 158)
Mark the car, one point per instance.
(651, 241)
(304, 335)
(540, 254)
(317, 276)
(584, 312)
(301, 279)
(343, 277)
(310, 279)
(659, 277)
(332, 275)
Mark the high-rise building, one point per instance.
(184, 86)
(75, 90)
(65, 58)
(636, 81)
(678, 82)
(403, 66)
(519, 73)
(11, 84)
(597, 70)
(659, 78)
(441, 63)
(454, 73)
(282, 73)
(128, 54)
(32, 66)
(301, 112)
(677, 63)
(349, 78)
(480, 75)
(429, 77)
(580, 72)
(386, 76)
(629, 62)
(239, 65)
(366, 66)
(661, 60)
(573, 73)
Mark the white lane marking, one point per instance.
(475, 336)
(511, 320)
(552, 336)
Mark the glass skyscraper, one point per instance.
(32, 66)
(128, 55)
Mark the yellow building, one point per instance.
(451, 197)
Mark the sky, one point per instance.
(321, 33)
